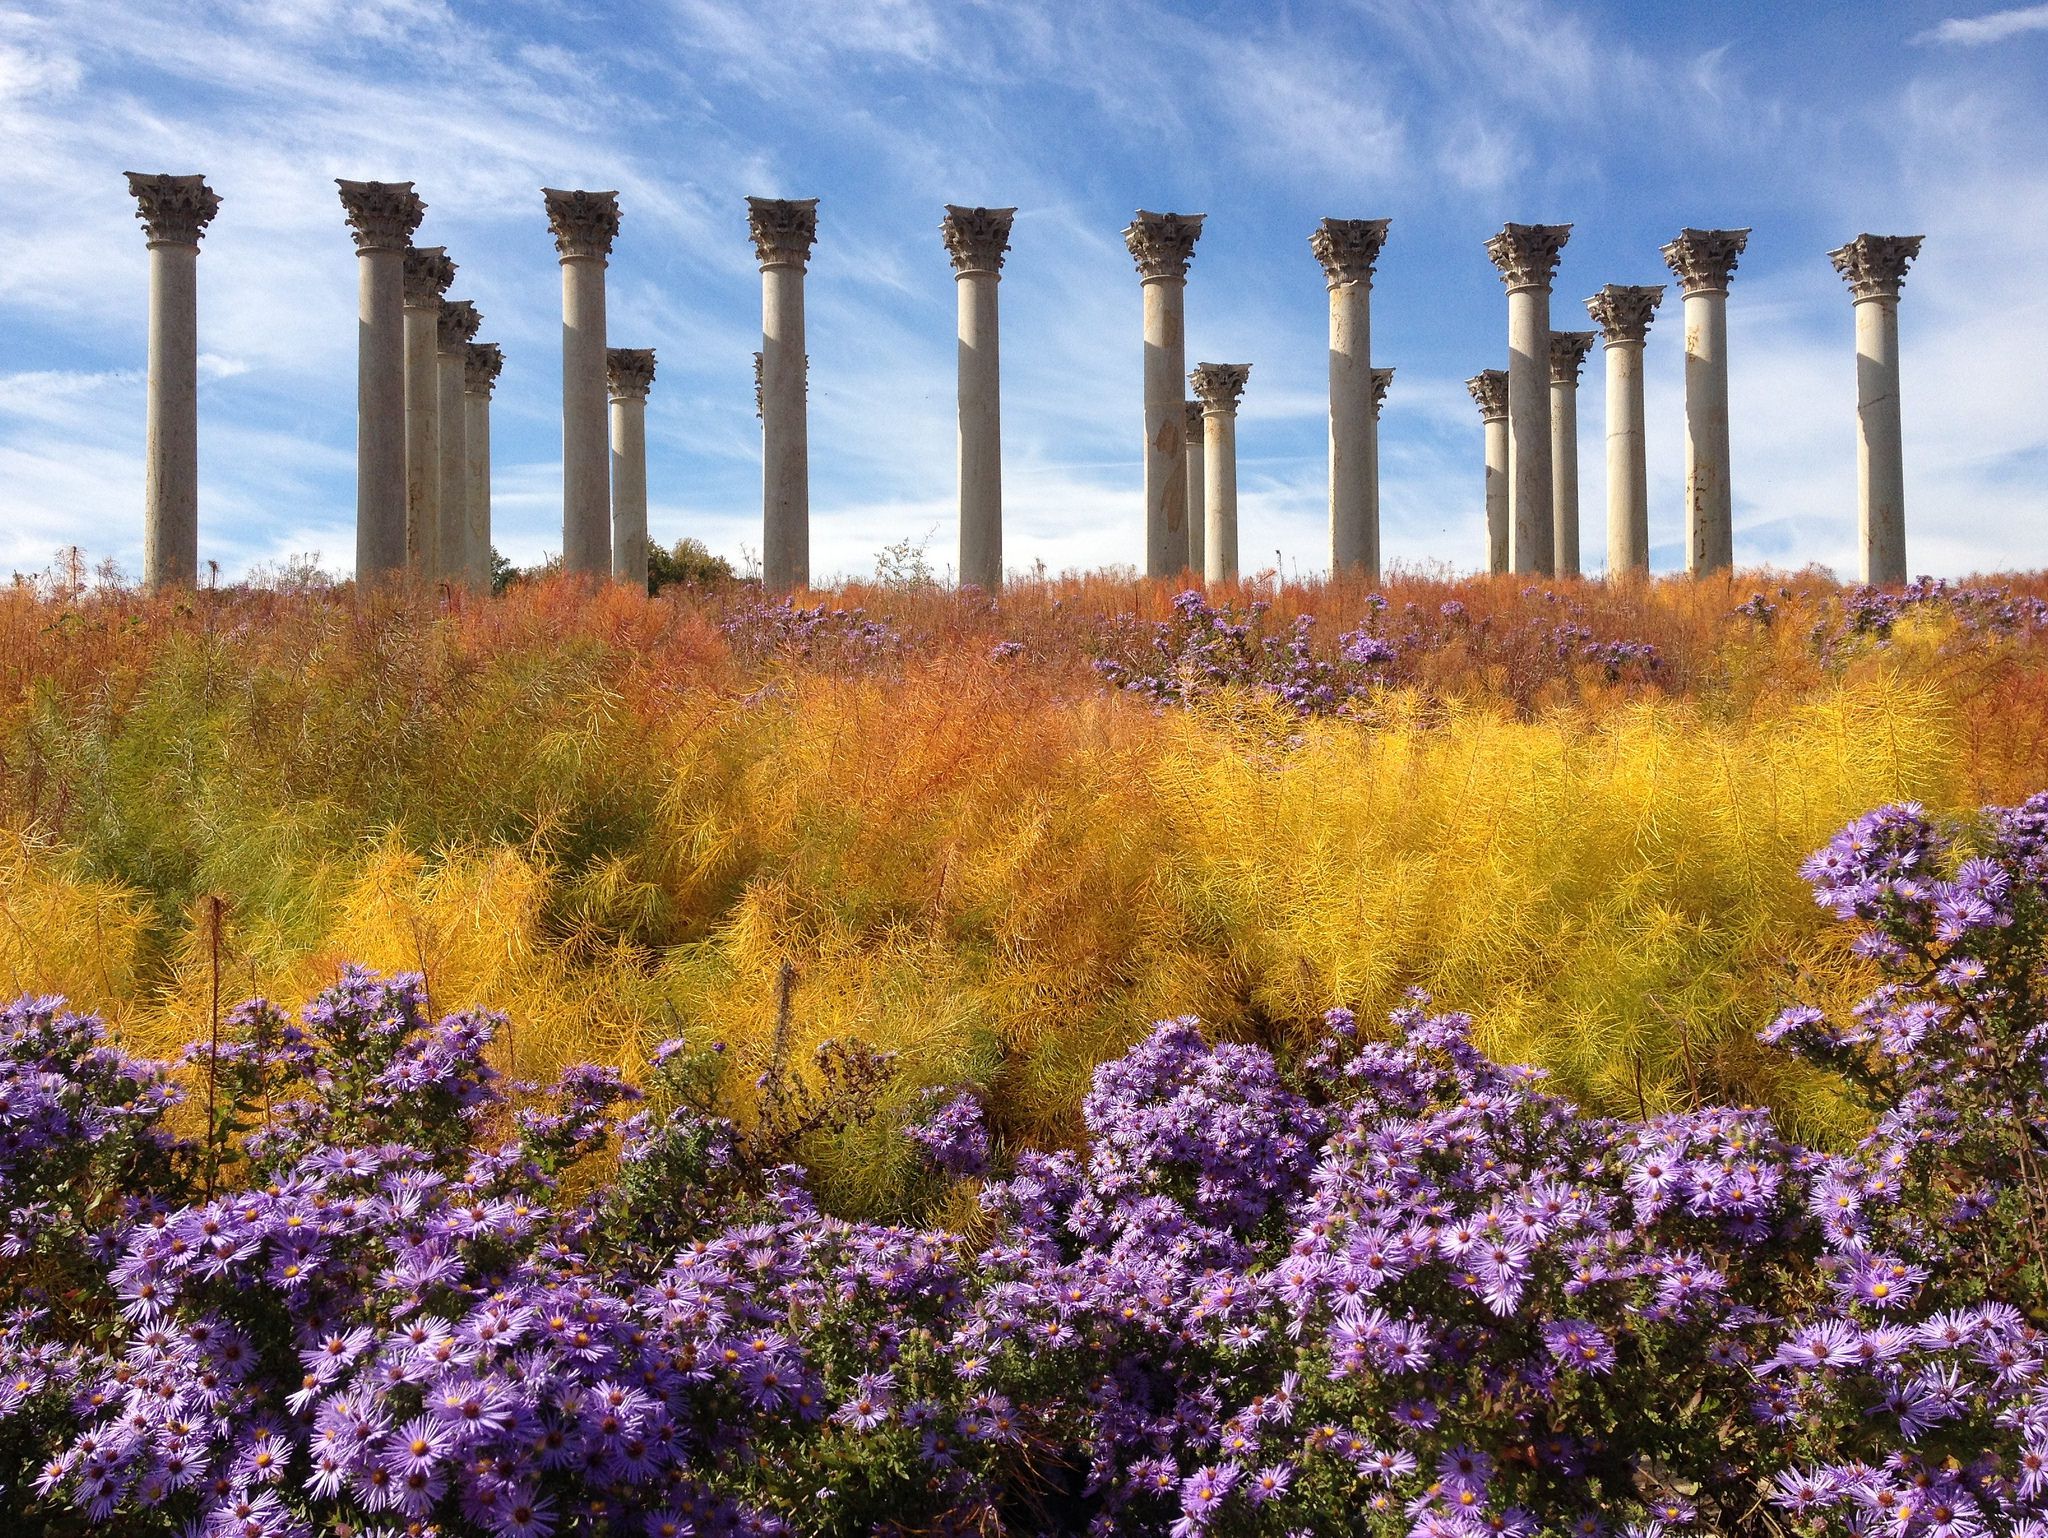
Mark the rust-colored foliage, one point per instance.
(604, 815)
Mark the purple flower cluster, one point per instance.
(760, 630)
(1205, 648)
(1381, 1283)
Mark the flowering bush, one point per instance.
(1206, 647)
(1381, 1285)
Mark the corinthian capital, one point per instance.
(1163, 244)
(481, 364)
(1489, 389)
(1219, 384)
(1527, 254)
(428, 272)
(1382, 380)
(381, 215)
(1704, 260)
(1623, 312)
(1568, 350)
(1348, 248)
(976, 238)
(174, 210)
(784, 229)
(583, 223)
(459, 322)
(629, 371)
(1875, 265)
(1194, 416)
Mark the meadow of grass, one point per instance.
(620, 820)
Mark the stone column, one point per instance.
(1348, 248)
(1198, 492)
(976, 239)
(428, 272)
(631, 372)
(1568, 351)
(1526, 255)
(1162, 245)
(174, 211)
(584, 225)
(784, 230)
(1382, 381)
(382, 217)
(1703, 261)
(482, 362)
(1875, 267)
(459, 322)
(1489, 390)
(1218, 386)
(1623, 314)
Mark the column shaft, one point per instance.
(629, 490)
(1880, 444)
(380, 416)
(1709, 505)
(422, 440)
(476, 496)
(170, 539)
(1703, 261)
(1499, 547)
(1166, 540)
(980, 432)
(1564, 477)
(1531, 518)
(1198, 490)
(381, 217)
(451, 550)
(1628, 471)
(1353, 450)
(785, 433)
(586, 446)
(1219, 540)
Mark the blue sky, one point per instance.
(1808, 122)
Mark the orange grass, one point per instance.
(586, 810)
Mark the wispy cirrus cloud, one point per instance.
(1992, 27)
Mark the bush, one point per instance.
(1397, 1288)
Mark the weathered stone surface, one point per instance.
(784, 230)
(584, 224)
(174, 210)
(1163, 244)
(1348, 248)
(976, 238)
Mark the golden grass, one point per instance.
(585, 811)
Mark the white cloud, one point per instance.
(1993, 27)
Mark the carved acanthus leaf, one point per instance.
(458, 325)
(428, 272)
(381, 215)
(629, 371)
(1704, 260)
(174, 210)
(1874, 266)
(1489, 389)
(481, 364)
(1623, 311)
(1348, 248)
(784, 230)
(584, 224)
(1382, 380)
(1218, 385)
(1163, 244)
(976, 238)
(1527, 254)
(1568, 351)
